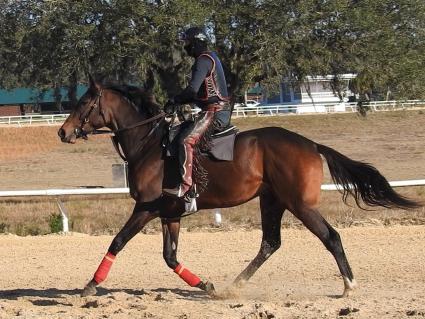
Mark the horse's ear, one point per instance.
(93, 85)
(150, 81)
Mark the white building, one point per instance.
(319, 87)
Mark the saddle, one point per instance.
(220, 147)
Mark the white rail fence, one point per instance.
(33, 119)
(125, 190)
(63, 192)
(323, 108)
(264, 110)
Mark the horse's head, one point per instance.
(112, 106)
(87, 116)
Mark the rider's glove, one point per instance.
(170, 107)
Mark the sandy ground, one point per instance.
(41, 277)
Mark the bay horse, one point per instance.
(282, 168)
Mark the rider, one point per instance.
(208, 90)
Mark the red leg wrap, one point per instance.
(185, 274)
(104, 267)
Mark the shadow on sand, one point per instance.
(53, 293)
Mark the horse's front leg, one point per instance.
(140, 217)
(170, 232)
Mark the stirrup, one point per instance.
(191, 194)
(190, 200)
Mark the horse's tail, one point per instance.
(363, 182)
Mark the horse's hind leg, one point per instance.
(136, 222)
(271, 216)
(312, 219)
(170, 232)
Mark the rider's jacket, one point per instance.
(213, 88)
(208, 84)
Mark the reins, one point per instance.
(144, 140)
(153, 118)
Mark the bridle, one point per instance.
(79, 131)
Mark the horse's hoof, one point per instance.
(208, 287)
(239, 283)
(89, 290)
(349, 286)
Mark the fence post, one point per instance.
(217, 217)
(65, 221)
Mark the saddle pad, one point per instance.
(222, 147)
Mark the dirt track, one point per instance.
(40, 277)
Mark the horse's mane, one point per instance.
(141, 98)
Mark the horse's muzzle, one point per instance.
(61, 134)
(71, 138)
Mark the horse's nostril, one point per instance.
(61, 133)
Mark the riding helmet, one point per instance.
(195, 41)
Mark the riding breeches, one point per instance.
(188, 139)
